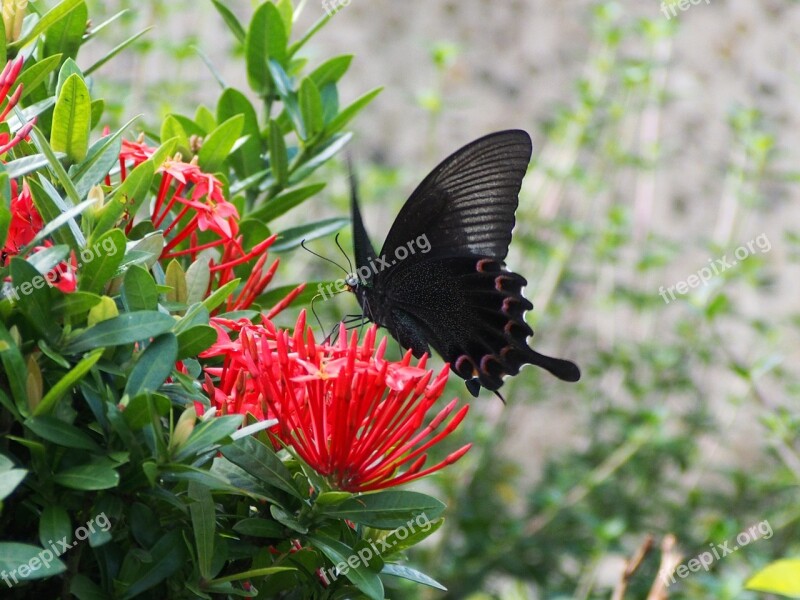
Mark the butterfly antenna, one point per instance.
(347, 258)
(333, 262)
(314, 312)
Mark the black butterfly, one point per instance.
(440, 279)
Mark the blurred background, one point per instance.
(664, 143)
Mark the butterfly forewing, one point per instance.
(466, 205)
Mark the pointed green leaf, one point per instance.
(217, 145)
(266, 39)
(66, 383)
(387, 509)
(124, 329)
(54, 15)
(278, 159)
(153, 366)
(139, 290)
(71, 119)
(88, 477)
(14, 555)
(100, 261)
(310, 107)
(339, 553)
(63, 434)
(66, 35)
(275, 207)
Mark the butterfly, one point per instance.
(440, 279)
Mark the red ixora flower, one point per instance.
(8, 77)
(26, 223)
(353, 416)
(196, 219)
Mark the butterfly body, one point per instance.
(440, 279)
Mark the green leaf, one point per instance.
(124, 329)
(72, 118)
(101, 157)
(10, 477)
(51, 17)
(175, 278)
(139, 290)
(142, 409)
(88, 477)
(84, 588)
(194, 340)
(167, 557)
(21, 558)
(278, 159)
(153, 366)
(35, 73)
(219, 296)
(198, 277)
(128, 196)
(14, 367)
(60, 433)
(26, 164)
(339, 553)
(217, 145)
(266, 38)
(100, 262)
(310, 107)
(324, 153)
(66, 35)
(203, 515)
(32, 296)
(780, 577)
(76, 303)
(413, 533)
(260, 528)
(291, 238)
(54, 209)
(68, 68)
(274, 208)
(54, 524)
(207, 434)
(246, 159)
(411, 575)
(343, 118)
(262, 463)
(387, 509)
(66, 383)
(231, 21)
(172, 128)
(56, 167)
(331, 70)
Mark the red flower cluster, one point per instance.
(191, 210)
(8, 77)
(25, 223)
(353, 416)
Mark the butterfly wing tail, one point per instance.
(563, 369)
